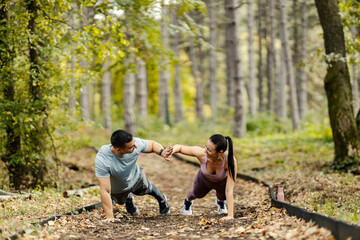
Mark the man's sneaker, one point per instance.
(164, 206)
(131, 207)
(186, 210)
(221, 207)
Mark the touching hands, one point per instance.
(167, 152)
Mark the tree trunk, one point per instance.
(301, 69)
(230, 93)
(85, 89)
(280, 105)
(269, 67)
(178, 96)
(260, 61)
(272, 51)
(36, 135)
(129, 98)
(355, 83)
(142, 97)
(231, 12)
(12, 144)
(338, 89)
(164, 74)
(198, 81)
(212, 58)
(288, 64)
(252, 80)
(106, 95)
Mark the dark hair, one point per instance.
(120, 137)
(221, 144)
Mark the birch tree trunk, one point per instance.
(85, 89)
(142, 97)
(338, 89)
(198, 81)
(106, 96)
(272, 51)
(355, 83)
(231, 13)
(260, 63)
(269, 69)
(281, 109)
(178, 95)
(252, 80)
(288, 64)
(212, 58)
(301, 69)
(295, 48)
(129, 98)
(230, 93)
(164, 73)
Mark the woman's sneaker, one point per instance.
(164, 206)
(221, 207)
(186, 210)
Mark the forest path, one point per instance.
(254, 217)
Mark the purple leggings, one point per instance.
(202, 186)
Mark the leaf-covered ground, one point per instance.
(254, 216)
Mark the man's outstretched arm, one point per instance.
(157, 148)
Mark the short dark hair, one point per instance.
(120, 137)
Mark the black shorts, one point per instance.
(142, 187)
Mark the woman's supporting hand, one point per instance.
(113, 220)
(227, 218)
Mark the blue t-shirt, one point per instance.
(123, 171)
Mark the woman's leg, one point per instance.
(200, 189)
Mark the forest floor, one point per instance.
(254, 217)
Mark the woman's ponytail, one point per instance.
(231, 165)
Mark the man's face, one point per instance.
(128, 148)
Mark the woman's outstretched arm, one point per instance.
(193, 151)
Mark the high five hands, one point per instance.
(167, 152)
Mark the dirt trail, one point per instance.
(254, 216)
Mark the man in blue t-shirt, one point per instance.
(119, 175)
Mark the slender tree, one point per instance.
(212, 57)
(199, 100)
(129, 96)
(106, 95)
(232, 25)
(251, 80)
(302, 89)
(260, 61)
(338, 89)
(288, 64)
(272, 51)
(164, 71)
(178, 94)
(142, 96)
(85, 89)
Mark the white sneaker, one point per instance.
(186, 210)
(221, 207)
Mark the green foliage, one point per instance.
(264, 124)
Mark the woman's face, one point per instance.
(210, 149)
